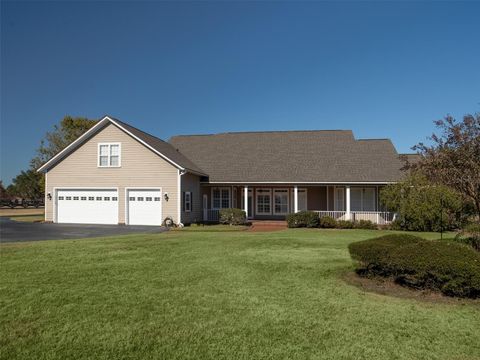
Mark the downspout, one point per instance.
(179, 196)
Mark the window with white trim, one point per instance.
(187, 201)
(280, 199)
(109, 155)
(264, 201)
(362, 199)
(339, 199)
(220, 198)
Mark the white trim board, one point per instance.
(99, 125)
(154, 188)
(240, 183)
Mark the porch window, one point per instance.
(302, 200)
(363, 199)
(220, 198)
(280, 201)
(339, 199)
(264, 201)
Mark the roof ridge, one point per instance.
(265, 132)
(374, 139)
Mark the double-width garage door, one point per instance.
(100, 206)
(87, 206)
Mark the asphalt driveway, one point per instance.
(14, 231)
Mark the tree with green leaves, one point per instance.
(422, 205)
(453, 157)
(27, 185)
(69, 129)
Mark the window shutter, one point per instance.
(183, 201)
(191, 200)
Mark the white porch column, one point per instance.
(347, 196)
(295, 199)
(245, 200)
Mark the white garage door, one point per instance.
(87, 206)
(144, 207)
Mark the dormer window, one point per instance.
(109, 155)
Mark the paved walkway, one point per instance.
(268, 225)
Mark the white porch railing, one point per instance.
(337, 215)
(211, 215)
(377, 217)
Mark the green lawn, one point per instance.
(27, 218)
(214, 295)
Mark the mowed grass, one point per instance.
(214, 295)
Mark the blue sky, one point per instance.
(381, 69)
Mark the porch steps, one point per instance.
(268, 225)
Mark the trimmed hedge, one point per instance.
(307, 219)
(470, 235)
(328, 222)
(345, 224)
(446, 266)
(232, 216)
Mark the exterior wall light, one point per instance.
(166, 196)
(49, 196)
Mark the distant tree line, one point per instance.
(30, 184)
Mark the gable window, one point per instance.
(220, 198)
(109, 155)
(187, 201)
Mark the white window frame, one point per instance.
(221, 198)
(189, 201)
(363, 197)
(109, 154)
(287, 194)
(335, 198)
(263, 191)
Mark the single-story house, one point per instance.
(117, 174)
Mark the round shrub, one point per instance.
(470, 235)
(345, 224)
(328, 222)
(232, 216)
(365, 224)
(445, 266)
(307, 219)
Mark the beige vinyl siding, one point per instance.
(191, 183)
(140, 167)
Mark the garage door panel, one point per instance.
(85, 206)
(144, 207)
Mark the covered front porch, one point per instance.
(273, 201)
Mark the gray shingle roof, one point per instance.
(162, 147)
(291, 156)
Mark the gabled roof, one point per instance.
(331, 156)
(158, 146)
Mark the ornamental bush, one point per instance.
(327, 222)
(424, 206)
(470, 235)
(365, 224)
(232, 216)
(307, 219)
(345, 224)
(446, 266)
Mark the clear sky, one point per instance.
(382, 69)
